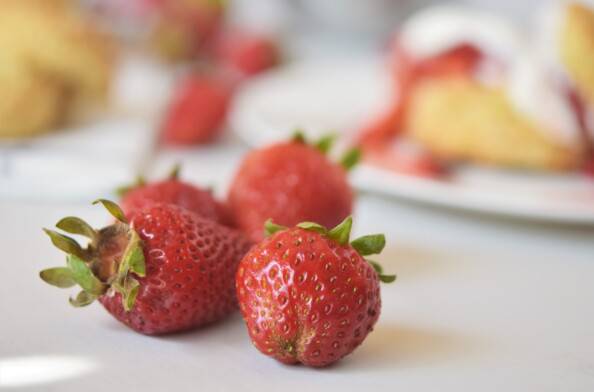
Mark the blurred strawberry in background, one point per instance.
(245, 52)
(197, 110)
(197, 35)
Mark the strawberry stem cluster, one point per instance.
(366, 245)
(98, 274)
(348, 160)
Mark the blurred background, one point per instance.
(93, 87)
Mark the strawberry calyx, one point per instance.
(351, 158)
(324, 144)
(366, 245)
(110, 263)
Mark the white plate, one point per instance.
(318, 97)
(341, 95)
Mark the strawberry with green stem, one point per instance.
(291, 182)
(307, 293)
(162, 269)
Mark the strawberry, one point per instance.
(246, 53)
(163, 270)
(197, 111)
(174, 191)
(307, 295)
(290, 182)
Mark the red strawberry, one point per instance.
(197, 111)
(309, 296)
(290, 183)
(174, 191)
(245, 52)
(164, 270)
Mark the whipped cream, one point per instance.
(437, 29)
(547, 31)
(535, 92)
(531, 83)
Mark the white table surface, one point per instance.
(480, 304)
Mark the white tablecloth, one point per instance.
(479, 304)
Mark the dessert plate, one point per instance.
(341, 95)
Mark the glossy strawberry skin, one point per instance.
(190, 268)
(182, 194)
(290, 183)
(197, 112)
(307, 299)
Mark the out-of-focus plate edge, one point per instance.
(458, 195)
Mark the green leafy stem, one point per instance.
(366, 245)
(79, 261)
(348, 161)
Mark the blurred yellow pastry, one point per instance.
(53, 61)
(459, 119)
(30, 102)
(473, 87)
(577, 47)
